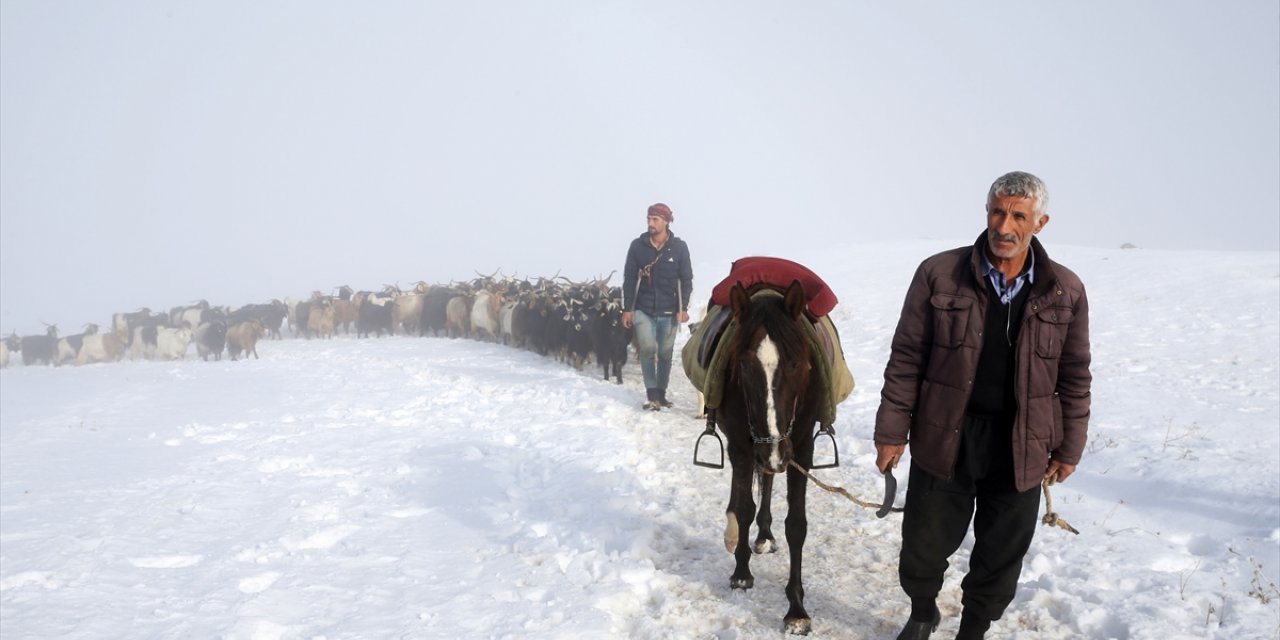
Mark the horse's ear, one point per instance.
(739, 301)
(794, 300)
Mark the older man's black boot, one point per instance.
(972, 627)
(923, 622)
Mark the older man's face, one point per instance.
(1011, 221)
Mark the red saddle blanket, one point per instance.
(778, 272)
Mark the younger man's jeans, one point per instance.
(655, 340)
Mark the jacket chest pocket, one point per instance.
(1052, 324)
(950, 319)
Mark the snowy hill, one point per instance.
(434, 488)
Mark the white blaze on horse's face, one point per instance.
(767, 354)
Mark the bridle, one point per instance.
(791, 424)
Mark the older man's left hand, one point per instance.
(1059, 471)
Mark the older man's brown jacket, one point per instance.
(935, 355)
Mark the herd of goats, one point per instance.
(556, 317)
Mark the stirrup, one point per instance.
(710, 431)
(830, 432)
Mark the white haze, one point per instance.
(431, 488)
(156, 153)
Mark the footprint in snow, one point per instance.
(40, 578)
(409, 512)
(322, 540)
(259, 583)
(165, 562)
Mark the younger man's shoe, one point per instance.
(662, 399)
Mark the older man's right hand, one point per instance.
(888, 454)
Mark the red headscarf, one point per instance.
(662, 211)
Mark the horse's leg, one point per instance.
(765, 542)
(738, 515)
(797, 528)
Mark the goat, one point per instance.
(142, 330)
(345, 311)
(191, 316)
(458, 316)
(210, 339)
(107, 347)
(127, 321)
(484, 315)
(578, 340)
(611, 338)
(243, 338)
(320, 319)
(171, 343)
(435, 311)
(376, 315)
(408, 311)
(69, 346)
(271, 314)
(40, 348)
(10, 343)
(291, 314)
(506, 322)
(529, 323)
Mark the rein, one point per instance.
(1050, 518)
(839, 490)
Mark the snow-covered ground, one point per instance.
(435, 488)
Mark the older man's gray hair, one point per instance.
(1020, 184)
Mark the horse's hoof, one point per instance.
(767, 545)
(742, 583)
(798, 626)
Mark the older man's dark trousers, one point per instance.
(938, 513)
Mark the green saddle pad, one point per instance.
(707, 373)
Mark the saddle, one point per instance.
(705, 363)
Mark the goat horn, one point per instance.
(607, 278)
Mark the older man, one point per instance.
(988, 380)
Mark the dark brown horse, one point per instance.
(767, 415)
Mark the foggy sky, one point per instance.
(155, 153)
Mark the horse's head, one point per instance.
(770, 368)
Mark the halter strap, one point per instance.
(791, 426)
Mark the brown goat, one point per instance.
(244, 338)
(320, 319)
